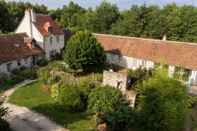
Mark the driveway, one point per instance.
(23, 119)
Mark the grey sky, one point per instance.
(122, 4)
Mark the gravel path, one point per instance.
(23, 119)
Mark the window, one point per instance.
(9, 67)
(58, 39)
(18, 62)
(134, 62)
(51, 40)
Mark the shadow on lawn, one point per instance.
(56, 113)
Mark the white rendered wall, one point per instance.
(128, 62)
(56, 46)
(24, 62)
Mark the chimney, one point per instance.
(164, 37)
(29, 42)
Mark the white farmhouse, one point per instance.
(133, 53)
(47, 34)
(37, 36)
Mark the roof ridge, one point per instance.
(149, 39)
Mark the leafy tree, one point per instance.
(72, 16)
(83, 51)
(104, 99)
(103, 17)
(162, 104)
(4, 17)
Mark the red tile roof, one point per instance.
(41, 21)
(12, 47)
(181, 54)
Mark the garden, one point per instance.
(71, 93)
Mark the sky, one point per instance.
(122, 4)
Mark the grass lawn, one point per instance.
(33, 97)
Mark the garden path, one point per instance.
(23, 119)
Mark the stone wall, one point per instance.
(115, 79)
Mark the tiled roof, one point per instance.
(181, 54)
(41, 20)
(12, 47)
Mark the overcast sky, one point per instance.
(122, 4)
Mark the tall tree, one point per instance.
(104, 16)
(72, 16)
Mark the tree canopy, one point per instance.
(83, 51)
(162, 104)
(176, 22)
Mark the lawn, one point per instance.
(33, 97)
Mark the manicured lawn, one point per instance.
(33, 97)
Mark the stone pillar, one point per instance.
(171, 70)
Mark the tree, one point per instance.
(103, 17)
(104, 99)
(139, 21)
(83, 52)
(4, 17)
(162, 103)
(72, 16)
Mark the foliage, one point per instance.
(121, 119)
(69, 97)
(138, 75)
(4, 126)
(33, 97)
(104, 99)
(83, 51)
(162, 103)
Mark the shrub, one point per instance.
(104, 99)
(121, 119)
(54, 91)
(70, 98)
(83, 52)
(42, 62)
(162, 103)
(138, 75)
(4, 126)
(43, 75)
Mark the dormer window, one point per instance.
(48, 27)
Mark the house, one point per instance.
(133, 53)
(36, 37)
(47, 34)
(17, 50)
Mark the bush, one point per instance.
(4, 126)
(42, 62)
(83, 52)
(104, 99)
(138, 75)
(70, 98)
(162, 104)
(121, 119)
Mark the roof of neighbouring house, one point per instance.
(13, 47)
(183, 54)
(41, 20)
